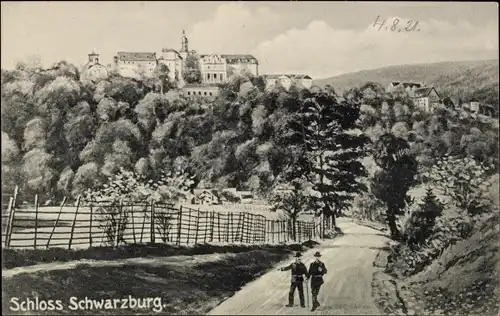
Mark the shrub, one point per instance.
(113, 223)
(367, 207)
(464, 180)
(129, 186)
(230, 197)
(170, 187)
(163, 224)
(333, 232)
(293, 203)
(404, 260)
(421, 222)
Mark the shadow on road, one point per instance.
(366, 234)
(354, 246)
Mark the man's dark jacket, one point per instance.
(316, 271)
(298, 269)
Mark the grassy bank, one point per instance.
(12, 258)
(185, 287)
(463, 280)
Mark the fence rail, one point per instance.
(85, 224)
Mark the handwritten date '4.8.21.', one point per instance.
(397, 25)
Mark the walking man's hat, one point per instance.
(317, 254)
(298, 255)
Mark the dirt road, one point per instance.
(347, 289)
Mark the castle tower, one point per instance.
(94, 58)
(184, 45)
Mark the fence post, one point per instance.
(189, 227)
(16, 191)
(218, 226)
(212, 226)
(152, 231)
(36, 221)
(206, 228)
(144, 212)
(243, 226)
(91, 223)
(179, 226)
(57, 221)
(272, 231)
(286, 230)
(253, 228)
(299, 228)
(133, 222)
(9, 222)
(118, 224)
(230, 227)
(74, 222)
(239, 228)
(197, 226)
(281, 236)
(11, 209)
(322, 227)
(258, 229)
(265, 230)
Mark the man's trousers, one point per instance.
(300, 287)
(315, 291)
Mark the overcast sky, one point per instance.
(317, 38)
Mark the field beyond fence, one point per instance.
(112, 224)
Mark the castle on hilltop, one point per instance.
(214, 68)
(211, 69)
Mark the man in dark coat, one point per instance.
(298, 271)
(316, 271)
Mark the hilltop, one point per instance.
(464, 79)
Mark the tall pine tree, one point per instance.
(396, 176)
(331, 150)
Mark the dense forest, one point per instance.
(60, 136)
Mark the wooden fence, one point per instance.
(98, 224)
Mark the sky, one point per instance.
(321, 39)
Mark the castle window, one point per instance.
(199, 92)
(189, 92)
(215, 76)
(205, 93)
(210, 93)
(208, 76)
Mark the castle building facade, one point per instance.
(175, 64)
(239, 64)
(135, 64)
(213, 69)
(93, 71)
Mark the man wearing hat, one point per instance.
(298, 271)
(316, 271)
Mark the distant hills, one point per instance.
(463, 79)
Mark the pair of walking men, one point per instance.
(316, 271)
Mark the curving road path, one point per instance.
(347, 289)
